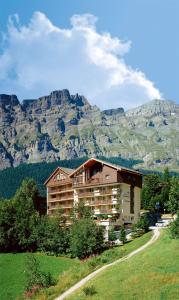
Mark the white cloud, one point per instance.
(41, 57)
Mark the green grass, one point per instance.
(67, 271)
(12, 271)
(76, 273)
(150, 275)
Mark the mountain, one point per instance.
(63, 126)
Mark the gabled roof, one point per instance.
(67, 171)
(90, 162)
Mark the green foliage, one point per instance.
(81, 211)
(52, 238)
(160, 193)
(35, 276)
(153, 274)
(23, 229)
(7, 221)
(174, 228)
(111, 235)
(151, 189)
(26, 217)
(89, 290)
(123, 234)
(86, 238)
(75, 274)
(12, 177)
(19, 219)
(173, 200)
(141, 227)
(13, 271)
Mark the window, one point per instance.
(107, 176)
(132, 199)
(60, 176)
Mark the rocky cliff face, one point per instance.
(64, 126)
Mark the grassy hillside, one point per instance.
(12, 271)
(11, 178)
(150, 275)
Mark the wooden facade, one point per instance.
(112, 192)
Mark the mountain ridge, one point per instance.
(65, 126)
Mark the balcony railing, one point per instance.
(99, 202)
(60, 207)
(95, 193)
(91, 181)
(61, 182)
(59, 190)
(70, 198)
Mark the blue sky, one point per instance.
(146, 55)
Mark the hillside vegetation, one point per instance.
(11, 178)
(13, 266)
(13, 271)
(150, 275)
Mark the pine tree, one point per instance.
(123, 234)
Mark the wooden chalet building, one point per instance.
(112, 192)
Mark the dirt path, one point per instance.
(79, 284)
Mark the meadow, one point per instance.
(66, 270)
(13, 269)
(151, 275)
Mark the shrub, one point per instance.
(35, 277)
(174, 228)
(141, 227)
(86, 238)
(112, 235)
(123, 234)
(89, 290)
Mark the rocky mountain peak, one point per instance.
(154, 107)
(114, 111)
(8, 100)
(56, 98)
(65, 126)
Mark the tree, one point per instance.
(86, 238)
(111, 235)
(174, 228)
(173, 201)
(165, 183)
(123, 234)
(26, 217)
(7, 232)
(34, 276)
(143, 223)
(152, 188)
(80, 211)
(52, 237)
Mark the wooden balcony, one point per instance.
(98, 202)
(92, 181)
(102, 211)
(61, 199)
(95, 193)
(60, 191)
(60, 207)
(60, 182)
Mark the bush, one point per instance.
(174, 228)
(86, 238)
(89, 290)
(123, 234)
(137, 233)
(35, 277)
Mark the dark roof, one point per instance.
(65, 170)
(117, 167)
